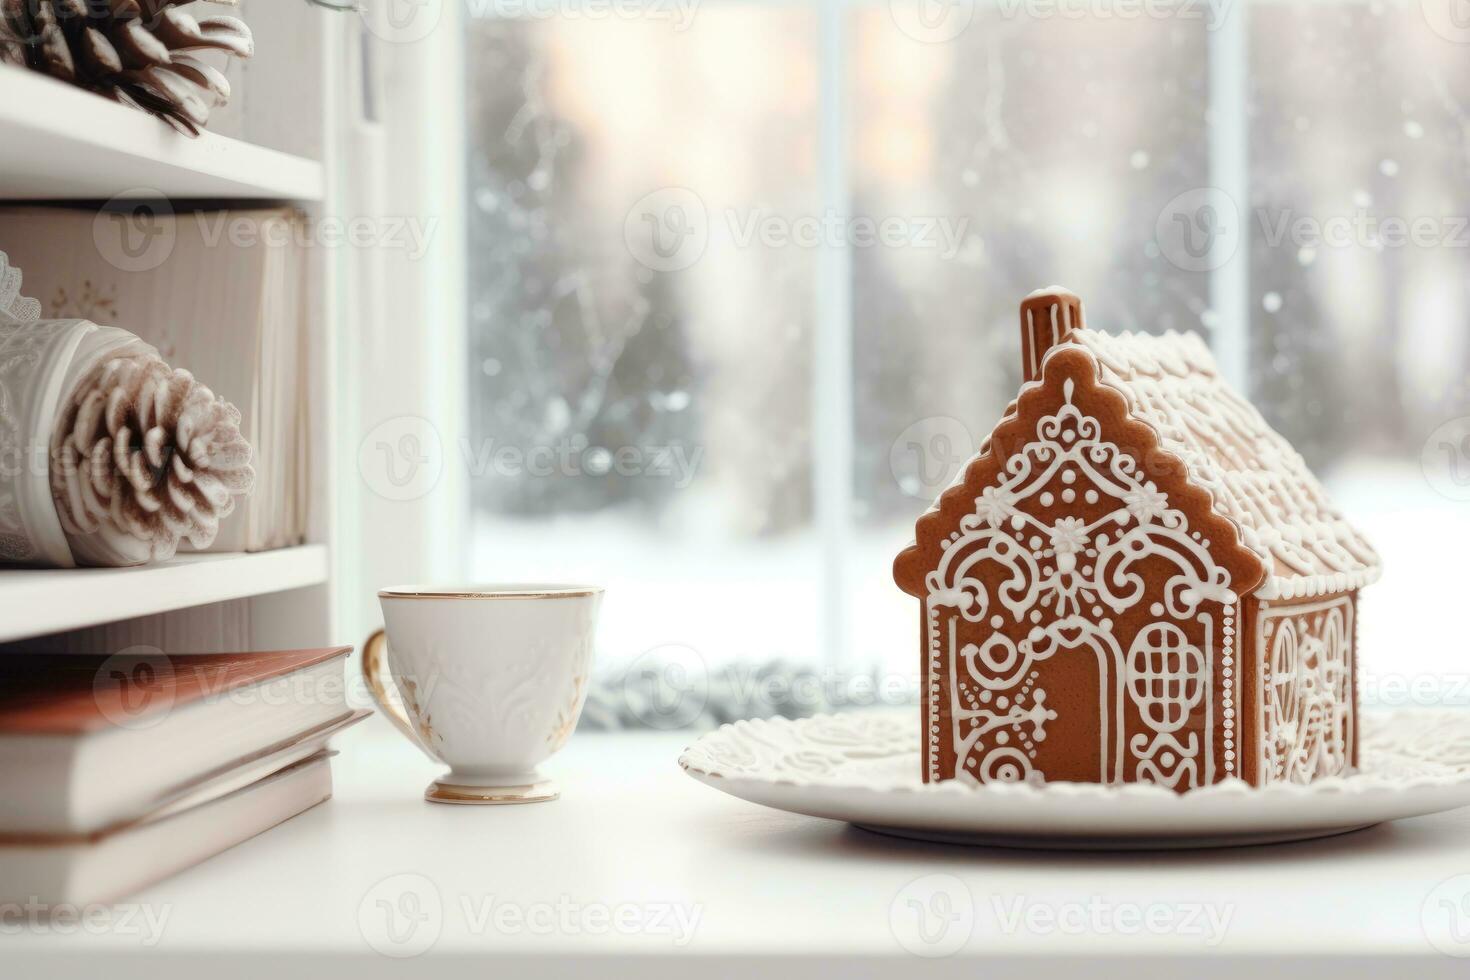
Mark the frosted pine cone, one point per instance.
(144, 452)
(139, 52)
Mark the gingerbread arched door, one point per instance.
(1048, 711)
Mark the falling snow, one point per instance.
(1033, 133)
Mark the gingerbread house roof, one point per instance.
(1255, 476)
(1257, 480)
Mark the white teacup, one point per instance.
(490, 681)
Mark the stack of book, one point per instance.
(124, 769)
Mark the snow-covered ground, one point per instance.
(1415, 644)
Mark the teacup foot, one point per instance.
(539, 791)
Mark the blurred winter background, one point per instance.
(737, 446)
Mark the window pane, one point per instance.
(1054, 144)
(1359, 162)
(639, 371)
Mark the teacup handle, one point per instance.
(375, 672)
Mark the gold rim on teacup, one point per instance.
(535, 590)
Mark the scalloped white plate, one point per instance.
(863, 768)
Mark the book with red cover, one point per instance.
(125, 769)
(89, 742)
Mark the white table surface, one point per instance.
(636, 841)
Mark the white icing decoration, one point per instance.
(14, 306)
(1257, 480)
(1304, 691)
(1227, 694)
(1255, 477)
(1057, 325)
(1069, 567)
(1168, 679)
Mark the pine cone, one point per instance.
(145, 451)
(129, 50)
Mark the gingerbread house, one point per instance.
(1135, 580)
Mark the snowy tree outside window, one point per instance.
(743, 286)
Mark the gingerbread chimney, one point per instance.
(1048, 317)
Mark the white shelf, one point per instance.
(59, 141)
(34, 602)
